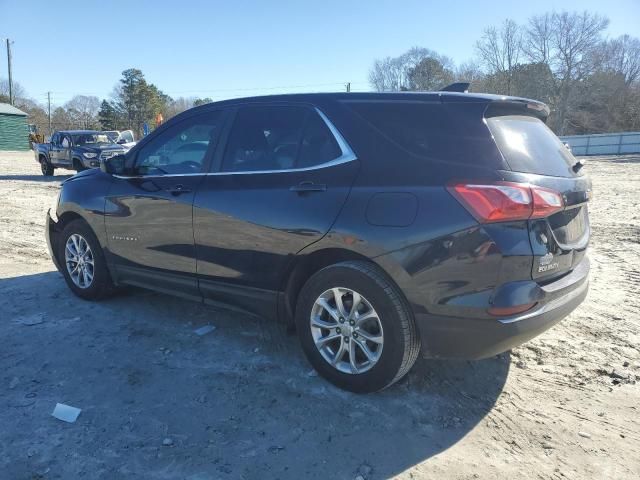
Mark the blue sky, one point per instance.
(228, 48)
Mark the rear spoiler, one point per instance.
(461, 87)
(517, 106)
(505, 105)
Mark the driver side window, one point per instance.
(181, 149)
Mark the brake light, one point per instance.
(506, 201)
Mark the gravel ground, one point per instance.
(160, 402)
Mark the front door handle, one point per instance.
(304, 187)
(178, 190)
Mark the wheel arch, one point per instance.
(56, 229)
(303, 268)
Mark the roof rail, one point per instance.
(462, 87)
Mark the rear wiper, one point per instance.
(578, 165)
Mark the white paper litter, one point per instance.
(204, 330)
(30, 320)
(66, 413)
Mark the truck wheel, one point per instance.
(45, 167)
(83, 264)
(356, 327)
(78, 166)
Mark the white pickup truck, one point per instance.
(124, 138)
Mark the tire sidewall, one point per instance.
(385, 370)
(101, 283)
(46, 168)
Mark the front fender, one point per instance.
(84, 195)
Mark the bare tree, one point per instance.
(18, 91)
(82, 111)
(178, 105)
(468, 72)
(622, 56)
(500, 50)
(536, 43)
(568, 43)
(393, 73)
(387, 75)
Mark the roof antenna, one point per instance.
(461, 87)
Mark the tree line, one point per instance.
(133, 102)
(590, 82)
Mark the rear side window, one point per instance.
(271, 138)
(433, 131)
(529, 146)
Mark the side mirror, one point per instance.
(115, 165)
(122, 141)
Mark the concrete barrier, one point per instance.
(604, 143)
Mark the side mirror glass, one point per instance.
(115, 165)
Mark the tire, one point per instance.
(101, 285)
(380, 299)
(78, 165)
(45, 167)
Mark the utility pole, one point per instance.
(49, 109)
(9, 68)
(348, 87)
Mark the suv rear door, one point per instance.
(277, 186)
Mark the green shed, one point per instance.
(14, 131)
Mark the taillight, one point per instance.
(506, 201)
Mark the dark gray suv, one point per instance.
(379, 225)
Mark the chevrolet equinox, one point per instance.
(379, 225)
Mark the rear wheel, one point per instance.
(45, 167)
(356, 328)
(83, 264)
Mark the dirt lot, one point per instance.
(241, 402)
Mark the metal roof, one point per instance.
(11, 110)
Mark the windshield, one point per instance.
(92, 139)
(113, 136)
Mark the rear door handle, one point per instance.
(178, 189)
(303, 187)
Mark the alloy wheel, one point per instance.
(346, 330)
(79, 261)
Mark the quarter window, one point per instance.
(182, 149)
(278, 138)
(318, 143)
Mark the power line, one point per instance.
(219, 90)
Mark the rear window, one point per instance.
(432, 130)
(529, 146)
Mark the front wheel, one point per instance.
(78, 165)
(356, 328)
(83, 263)
(46, 168)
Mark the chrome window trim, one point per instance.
(347, 156)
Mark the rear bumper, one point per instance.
(474, 338)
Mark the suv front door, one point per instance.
(149, 215)
(277, 187)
